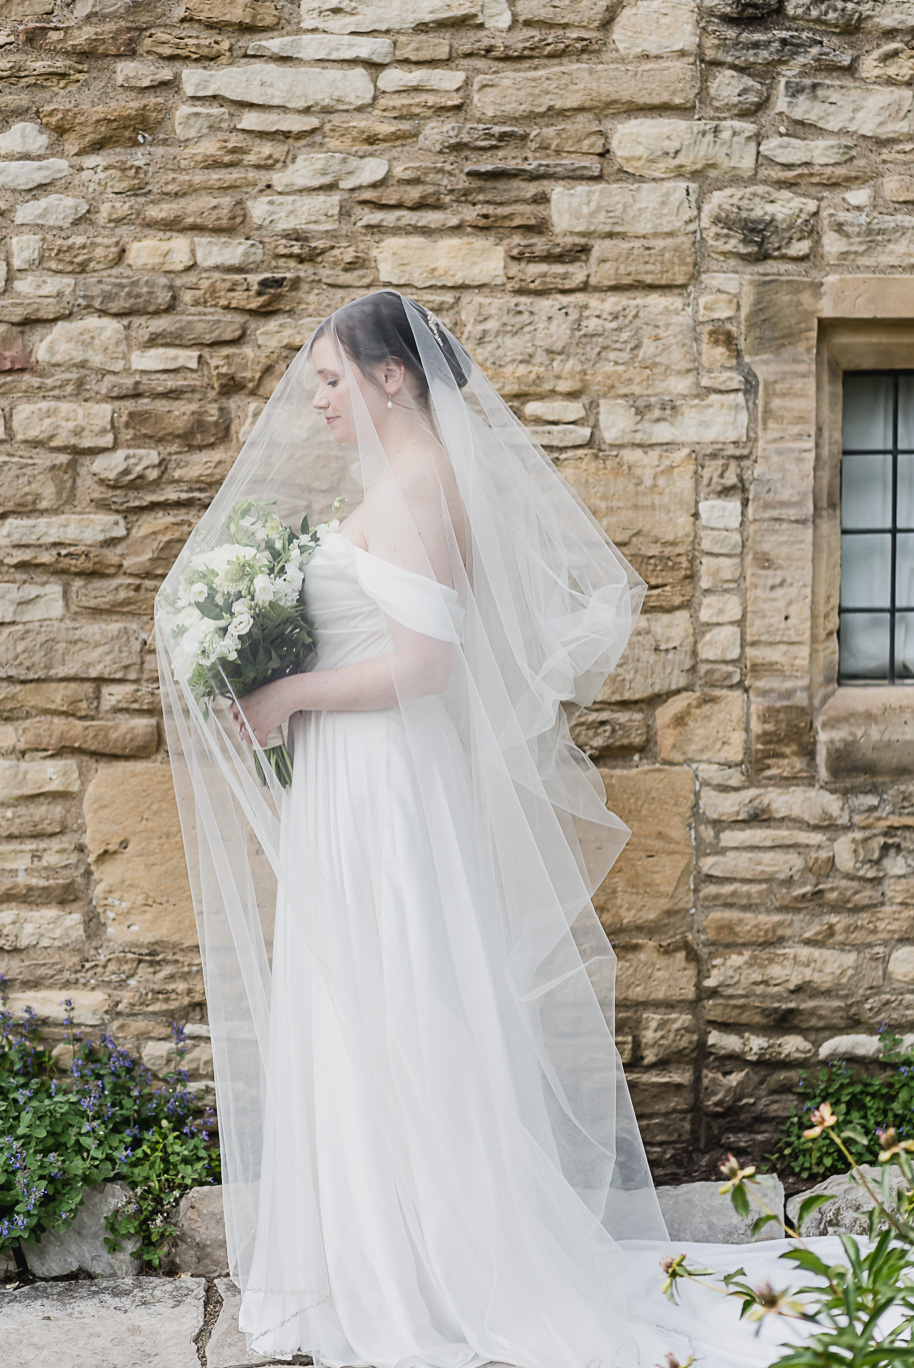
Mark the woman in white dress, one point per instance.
(430, 1156)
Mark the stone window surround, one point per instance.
(800, 336)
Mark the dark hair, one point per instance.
(377, 327)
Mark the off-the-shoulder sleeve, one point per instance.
(417, 601)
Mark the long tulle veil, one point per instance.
(532, 620)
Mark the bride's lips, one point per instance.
(330, 419)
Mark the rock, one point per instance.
(660, 84)
(199, 1246)
(291, 212)
(127, 466)
(82, 253)
(705, 727)
(851, 1047)
(227, 1347)
(201, 425)
(110, 294)
(599, 731)
(257, 293)
(187, 47)
(30, 602)
(28, 778)
(649, 971)
(214, 212)
(589, 13)
(64, 426)
(161, 254)
(130, 737)
(733, 93)
(636, 210)
(373, 16)
(87, 129)
(75, 528)
(26, 175)
(70, 651)
(652, 261)
(191, 330)
(123, 1323)
(758, 223)
(26, 486)
(800, 969)
(698, 1211)
(670, 147)
(560, 435)
(440, 261)
(895, 62)
(740, 9)
(97, 342)
(136, 853)
(218, 253)
(198, 123)
(142, 75)
(666, 1035)
(784, 1049)
(274, 121)
(233, 13)
(656, 28)
(652, 878)
(644, 499)
(442, 137)
(848, 108)
(42, 929)
(330, 168)
(295, 88)
(577, 137)
(54, 211)
(880, 239)
(81, 1246)
(794, 50)
(397, 78)
(324, 47)
(808, 151)
(835, 14)
(849, 1212)
(813, 806)
(658, 659)
(717, 418)
(25, 139)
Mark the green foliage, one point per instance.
(102, 1118)
(869, 1095)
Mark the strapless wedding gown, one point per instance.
(409, 1214)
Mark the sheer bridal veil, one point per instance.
(519, 606)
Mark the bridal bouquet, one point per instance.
(237, 620)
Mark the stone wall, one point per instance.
(633, 214)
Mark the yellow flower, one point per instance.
(892, 1144)
(822, 1118)
(733, 1173)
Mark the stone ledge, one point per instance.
(866, 732)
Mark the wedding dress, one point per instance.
(430, 1155)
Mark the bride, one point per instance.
(430, 1155)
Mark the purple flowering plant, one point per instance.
(103, 1116)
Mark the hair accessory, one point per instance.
(432, 322)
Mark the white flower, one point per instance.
(241, 605)
(263, 589)
(322, 529)
(197, 592)
(333, 524)
(243, 623)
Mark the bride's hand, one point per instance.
(261, 711)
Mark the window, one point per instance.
(876, 616)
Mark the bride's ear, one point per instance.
(394, 375)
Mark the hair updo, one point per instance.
(378, 326)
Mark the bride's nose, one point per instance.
(320, 401)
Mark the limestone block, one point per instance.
(142, 75)
(27, 778)
(706, 727)
(733, 93)
(699, 1211)
(127, 466)
(27, 175)
(44, 287)
(721, 608)
(122, 736)
(64, 426)
(290, 212)
(720, 643)
(81, 1247)
(227, 1347)
(865, 734)
(259, 293)
(191, 122)
(23, 139)
(398, 78)
(588, 13)
(757, 222)
(99, 343)
(626, 343)
(649, 971)
(895, 62)
(69, 650)
(560, 435)
(851, 1047)
(214, 212)
(377, 16)
(286, 332)
(30, 602)
(652, 878)
(658, 659)
(656, 28)
(76, 253)
(647, 261)
(227, 252)
(119, 1323)
(637, 210)
(788, 1049)
(665, 1035)
(161, 254)
(555, 410)
(165, 358)
(879, 239)
(440, 261)
(720, 513)
(324, 47)
(75, 529)
(842, 107)
(25, 252)
(40, 928)
(137, 855)
(330, 168)
(111, 294)
(817, 807)
(849, 1211)
(89, 1005)
(199, 1248)
(295, 88)
(274, 121)
(773, 972)
(648, 85)
(718, 418)
(54, 211)
(808, 151)
(671, 147)
(643, 498)
(90, 129)
(233, 13)
(901, 964)
(201, 425)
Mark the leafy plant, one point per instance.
(869, 1100)
(102, 1118)
(860, 1312)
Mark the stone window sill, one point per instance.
(867, 732)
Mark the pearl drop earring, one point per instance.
(390, 403)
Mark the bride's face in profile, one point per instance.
(333, 396)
